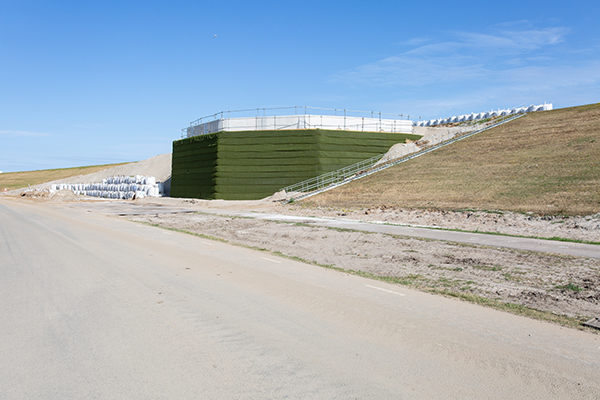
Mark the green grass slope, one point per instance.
(545, 162)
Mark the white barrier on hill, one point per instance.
(117, 187)
(484, 115)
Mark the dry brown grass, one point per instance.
(546, 163)
(16, 180)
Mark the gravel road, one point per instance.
(100, 307)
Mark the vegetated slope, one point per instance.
(545, 162)
(16, 180)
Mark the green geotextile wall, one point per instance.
(252, 165)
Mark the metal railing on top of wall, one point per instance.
(298, 110)
(273, 112)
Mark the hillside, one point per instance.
(546, 162)
(16, 180)
(158, 166)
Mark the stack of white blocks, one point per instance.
(483, 115)
(117, 187)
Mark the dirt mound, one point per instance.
(63, 195)
(36, 194)
(44, 195)
(158, 166)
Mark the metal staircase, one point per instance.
(331, 180)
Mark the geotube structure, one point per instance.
(484, 115)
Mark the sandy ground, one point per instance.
(560, 284)
(584, 228)
(96, 307)
(563, 285)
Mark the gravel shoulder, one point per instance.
(562, 285)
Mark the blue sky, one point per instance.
(95, 82)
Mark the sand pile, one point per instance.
(158, 167)
(430, 136)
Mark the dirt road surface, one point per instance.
(101, 307)
(559, 278)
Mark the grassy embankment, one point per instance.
(546, 162)
(17, 180)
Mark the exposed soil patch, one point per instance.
(586, 228)
(44, 195)
(563, 285)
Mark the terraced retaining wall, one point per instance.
(250, 165)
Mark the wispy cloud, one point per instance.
(413, 71)
(90, 125)
(584, 73)
(11, 133)
(462, 56)
(569, 85)
(513, 41)
(508, 65)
